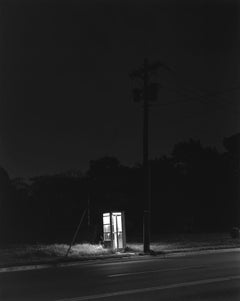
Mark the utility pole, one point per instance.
(147, 93)
(147, 211)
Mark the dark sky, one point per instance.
(65, 94)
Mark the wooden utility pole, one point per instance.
(147, 93)
(147, 211)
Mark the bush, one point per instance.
(235, 232)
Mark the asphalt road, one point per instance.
(199, 277)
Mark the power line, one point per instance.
(195, 98)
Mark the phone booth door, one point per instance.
(117, 230)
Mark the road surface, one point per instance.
(214, 276)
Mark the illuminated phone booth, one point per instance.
(114, 235)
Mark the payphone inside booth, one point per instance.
(114, 230)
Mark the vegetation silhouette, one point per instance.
(194, 189)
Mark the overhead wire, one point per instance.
(195, 98)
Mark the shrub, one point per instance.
(235, 232)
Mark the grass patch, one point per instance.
(60, 250)
(27, 254)
(166, 243)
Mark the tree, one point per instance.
(5, 204)
(103, 166)
(232, 176)
(202, 171)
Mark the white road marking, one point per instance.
(25, 268)
(151, 289)
(155, 271)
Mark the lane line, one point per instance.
(151, 289)
(155, 271)
(25, 268)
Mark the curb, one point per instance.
(129, 256)
(62, 262)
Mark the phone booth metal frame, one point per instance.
(114, 234)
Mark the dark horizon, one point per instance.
(220, 150)
(65, 95)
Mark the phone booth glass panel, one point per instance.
(106, 227)
(114, 230)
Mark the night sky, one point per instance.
(65, 94)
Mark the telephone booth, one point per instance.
(114, 236)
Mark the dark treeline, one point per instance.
(195, 189)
